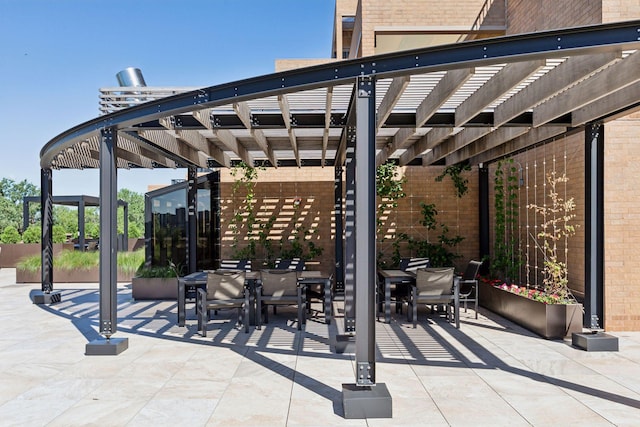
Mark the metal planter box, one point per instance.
(150, 288)
(551, 321)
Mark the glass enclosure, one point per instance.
(166, 231)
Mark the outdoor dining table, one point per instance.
(310, 277)
(393, 277)
(189, 284)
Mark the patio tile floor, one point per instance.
(490, 372)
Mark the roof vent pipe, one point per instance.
(131, 77)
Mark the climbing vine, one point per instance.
(506, 260)
(455, 173)
(389, 189)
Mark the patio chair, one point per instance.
(469, 285)
(236, 264)
(225, 289)
(412, 264)
(295, 264)
(278, 287)
(434, 286)
(409, 265)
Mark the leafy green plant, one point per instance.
(32, 234)
(441, 251)
(556, 228)
(506, 260)
(455, 173)
(244, 216)
(10, 235)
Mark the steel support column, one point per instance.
(46, 294)
(594, 226)
(596, 339)
(350, 236)
(339, 224)
(483, 214)
(108, 249)
(81, 236)
(192, 231)
(125, 231)
(365, 398)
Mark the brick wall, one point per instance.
(422, 13)
(532, 168)
(622, 224)
(277, 189)
(524, 16)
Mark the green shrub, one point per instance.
(10, 235)
(128, 262)
(59, 235)
(32, 234)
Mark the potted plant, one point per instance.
(155, 282)
(551, 311)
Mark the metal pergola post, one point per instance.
(365, 398)
(594, 226)
(350, 236)
(596, 340)
(108, 249)
(81, 237)
(192, 231)
(483, 214)
(339, 224)
(46, 295)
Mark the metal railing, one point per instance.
(118, 98)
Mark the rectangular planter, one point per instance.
(551, 321)
(150, 288)
(68, 276)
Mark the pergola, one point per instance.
(469, 102)
(80, 202)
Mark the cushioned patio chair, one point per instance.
(278, 287)
(236, 264)
(225, 289)
(434, 286)
(469, 285)
(295, 264)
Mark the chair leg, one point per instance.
(259, 314)
(415, 307)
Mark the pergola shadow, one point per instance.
(434, 343)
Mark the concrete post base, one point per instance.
(595, 341)
(366, 402)
(40, 297)
(106, 347)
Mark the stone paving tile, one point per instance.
(490, 372)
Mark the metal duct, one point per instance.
(131, 77)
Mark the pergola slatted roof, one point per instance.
(468, 107)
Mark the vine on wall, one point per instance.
(506, 260)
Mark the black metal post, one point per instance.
(46, 242)
(483, 215)
(81, 231)
(594, 226)
(192, 231)
(339, 255)
(125, 231)
(25, 213)
(108, 249)
(350, 236)
(365, 231)
(365, 398)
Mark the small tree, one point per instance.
(556, 228)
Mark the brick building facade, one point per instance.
(365, 27)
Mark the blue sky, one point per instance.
(55, 55)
